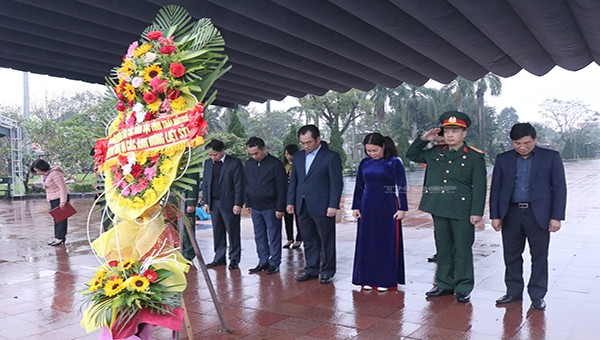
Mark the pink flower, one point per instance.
(137, 82)
(158, 84)
(166, 41)
(120, 106)
(177, 70)
(165, 106)
(126, 191)
(154, 35)
(132, 48)
(150, 172)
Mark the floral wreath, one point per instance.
(161, 89)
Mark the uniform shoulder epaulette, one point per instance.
(476, 149)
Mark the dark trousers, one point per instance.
(454, 243)
(519, 226)
(318, 234)
(60, 228)
(187, 250)
(225, 225)
(267, 236)
(289, 227)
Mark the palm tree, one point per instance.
(460, 90)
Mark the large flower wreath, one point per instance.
(161, 89)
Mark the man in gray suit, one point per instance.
(314, 194)
(223, 195)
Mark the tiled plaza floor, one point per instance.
(39, 283)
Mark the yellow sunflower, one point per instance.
(126, 69)
(151, 72)
(127, 263)
(96, 283)
(129, 91)
(142, 50)
(138, 283)
(114, 286)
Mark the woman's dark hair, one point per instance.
(291, 149)
(521, 130)
(389, 148)
(39, 164)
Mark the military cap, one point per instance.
(455, 118)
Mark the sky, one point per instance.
(523, 91)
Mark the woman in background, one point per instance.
(379, 204)
(288, 154)
(57, 194)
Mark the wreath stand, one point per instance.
(192, 236)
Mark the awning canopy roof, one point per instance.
(291, 47)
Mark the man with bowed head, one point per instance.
(314, 193)
(265, 196)
(454, 194)
(223, 196)
(528, 198)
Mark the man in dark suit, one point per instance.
(314, 194)
(527, 201)
(223, 195)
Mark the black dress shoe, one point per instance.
(438, 292)
(234, 265)
(215, 264)
(463, 297)
(433, 258)
(507, 298)
(326, 279)
(306, 277)
(538, 304)
(57, 243)
(272, 270)
(259, 268)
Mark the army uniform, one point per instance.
(454, 190)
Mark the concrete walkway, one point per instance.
(39, 283)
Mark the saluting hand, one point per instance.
(431, 134)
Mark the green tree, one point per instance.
(489, 83)
(235, 126)
(338, 110)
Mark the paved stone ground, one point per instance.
(39, 284)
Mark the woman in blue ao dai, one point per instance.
(379, 204)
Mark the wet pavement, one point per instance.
(39, 283)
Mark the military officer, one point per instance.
(454, 194)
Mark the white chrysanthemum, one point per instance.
(126, 168)
(140, 113)
(149, 57)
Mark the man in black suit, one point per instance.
(527, 201)
(223, 195)
(314, 193)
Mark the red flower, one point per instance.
(150, 275)
(149, 116)
(155, 158)
(154, 35)
(113, 263)
(150, 97)
(136, 170)
(122, 159)
(120, 106)
(177, 70)
(173, 94)
(167, 49)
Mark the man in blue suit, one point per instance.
(527, 201)
(314, 194)
(223, 195)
